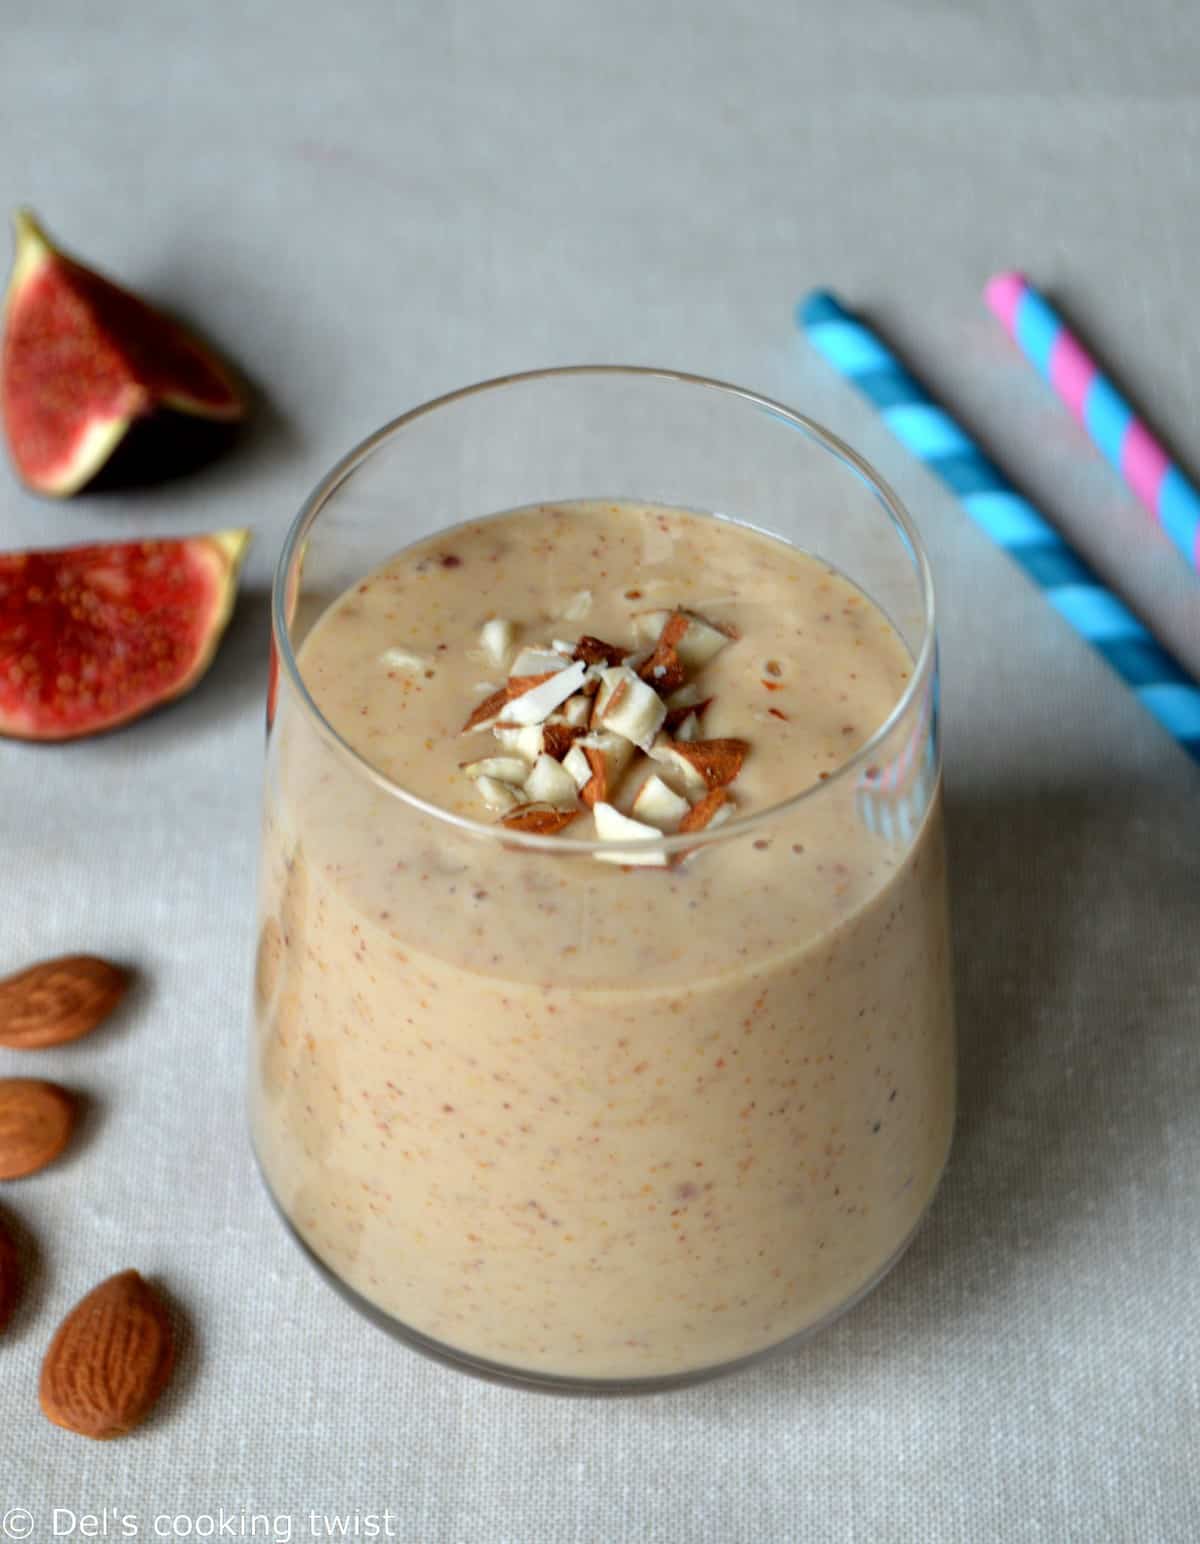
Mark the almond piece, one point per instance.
(496, 638)
(664, 669)
(10, 1277)
(608, 755)
(109, 1360)
(538, 662)
(658, 805)
(508, 769)
(405, 659)
(57, 1001)
(36, 1120)
(521, 740)
(576, 763)
(700, 641)
(647, 625)
(549, 783)
(628, 707)
(679, 771)
(612, 826)
(577, 710)
(717, 761)
(538, 819)
(518, 685)
(594, 651)
(557, 739)
(705, 812)
(534, 698)
(488, 711)
(498, 795)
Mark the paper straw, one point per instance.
(1044, 339)
(1006, 516)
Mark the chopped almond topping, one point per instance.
(518, 685)
(648, 625)
(537, 659)
(577, 710)
(565, 744)
(520, 739)
(701, 640)
(630, 707)
(536, 698)
(612, 826)
(557, 739)
(701, 814)
(497, 794)
(594, 651)
(717, 761)
(497, 638)
(509, 769)
(579, 768)
(490, 708)
(405, 659)
(663, 670)
(548, 782)
(676, 716)
(658, 805)
(607, 756)
(674, 630)
(595, 790)
(616, 697)
(538, 819)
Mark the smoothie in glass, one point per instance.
(557, 1096)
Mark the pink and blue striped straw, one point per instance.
(1071, 587)
(1045, 340)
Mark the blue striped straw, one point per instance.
(1071, 587)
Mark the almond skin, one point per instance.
(594, 651)
(717, 761)
(489, 708)
(36, 1121)
(557, 739)
(109, 1361)
(701, 814)
(538, 819)
(57, 1001)
(663, 670)
(10, 1277)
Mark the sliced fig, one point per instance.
(83, 359)
(91, 637)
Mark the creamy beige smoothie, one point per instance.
(602, 1119)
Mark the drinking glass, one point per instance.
(539, 1163)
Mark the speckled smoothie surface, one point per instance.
(569, 1117)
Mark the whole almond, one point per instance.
(36, 1120)
(10, 1276)
(57, 1001)
(109, 1360)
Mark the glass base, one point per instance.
(551, 1383)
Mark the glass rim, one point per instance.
(563, 846)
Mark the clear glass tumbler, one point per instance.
(564, 1173)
